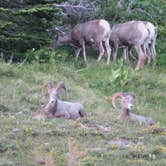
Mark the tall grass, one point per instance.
(24, 141)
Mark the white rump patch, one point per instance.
(105, 24)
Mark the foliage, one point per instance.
(119, 76)
(25, 141)
(24, 23)
(41, 55)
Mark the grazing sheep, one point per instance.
(126, 42)
(94, 32)
(128, 100)
(132, 33)
(61, 109)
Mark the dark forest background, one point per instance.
(24, 23)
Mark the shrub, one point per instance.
(119, 75)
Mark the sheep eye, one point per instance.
(53, 101)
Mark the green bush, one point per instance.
(119, 75)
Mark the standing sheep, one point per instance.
(96, 32)
(132, 33)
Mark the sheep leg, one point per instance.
(153, 50)
(125, 54)
(146, 51)
(149, 54)
(53, 45)
(141, 57)
(77, 52)
(115, 52)
(83, 49)
(105, 51)
(108, 50)
(101, 50)
(131, 54)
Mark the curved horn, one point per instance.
(115, 96)
(48, 84)
(58, 30)
(59, 87)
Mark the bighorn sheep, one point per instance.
(61, 109)
(132, 33)
(95, 32)
(128, 100)
(151, 41)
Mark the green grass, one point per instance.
(24, 141)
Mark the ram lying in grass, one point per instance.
(128, 100)
(58, 108)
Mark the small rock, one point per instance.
(15, 130)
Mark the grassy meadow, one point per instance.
(25, 141)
